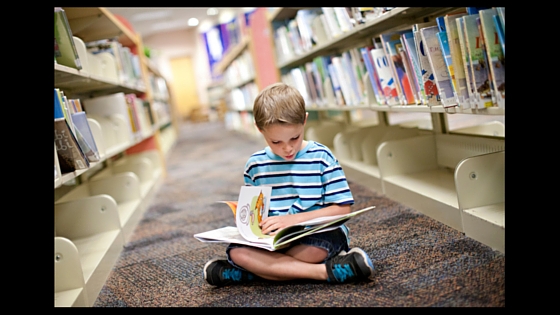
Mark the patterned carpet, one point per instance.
(420, 262)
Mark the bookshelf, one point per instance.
(428, 168)
(96, 209)
(245, 70)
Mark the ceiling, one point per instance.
(149, 21)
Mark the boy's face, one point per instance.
(284, 140)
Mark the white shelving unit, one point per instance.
(97, 209)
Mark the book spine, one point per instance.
(388, 84)
(481, 81)
(373, 79)
(495, 56)
(461, 92)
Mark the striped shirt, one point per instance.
(312, 180)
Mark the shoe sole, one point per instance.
(366, 263)
(206, 266)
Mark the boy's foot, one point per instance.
(220, 272)
(352, 266)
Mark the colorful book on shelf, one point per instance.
(252, 208)
(460, 79)
(360, 71)
(85, 137)
(502, 16)
(408, 42)
(495, 57)
(403, 80)
(67, 54)
(407, 64)
(428, 78)
(437, 63)
(312, 86)
(372, 74)
(70, 156)
(386, 39)
(386, 79)
(480, 84)
(295, 37)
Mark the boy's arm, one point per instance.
(279, 222)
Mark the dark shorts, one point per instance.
(333, 241)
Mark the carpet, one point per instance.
(420, 262)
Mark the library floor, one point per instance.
(419, 261)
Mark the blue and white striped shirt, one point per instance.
(311, 181)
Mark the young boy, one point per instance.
(307, 182)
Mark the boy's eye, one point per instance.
(295, 138)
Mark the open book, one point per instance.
(252, 207)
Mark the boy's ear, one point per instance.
(257, 127)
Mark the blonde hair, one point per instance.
(278, 103)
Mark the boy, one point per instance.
(307, 182)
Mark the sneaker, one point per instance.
(348, 267)
(220, 272)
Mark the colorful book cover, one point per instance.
(70, 156)
(502, 16)
(343, 80)
(372, 74)
(407, 63)
(409, 44)
(460, 80)
(393, 47)
(388, 83)
(67, 53)
(495, 57)
(481, 81)
(437, 63)
(428, 78)
(386, 39)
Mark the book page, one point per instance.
(252, 208)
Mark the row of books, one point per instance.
(75, 146)
(242, 98)
(315, 26)
(240, 70)
(75, 143)
(455, 60)
(106, 58)
(332, 79)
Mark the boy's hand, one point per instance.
(272, 225)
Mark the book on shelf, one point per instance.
(337, 89)
(460, 79)
(332, 22)
(311, 84)
(502, 17)
(319, 27)
(481, 96)
(385, 40)
(70, 156)
(343, 19)
(252, 208)
(495, 57)
(372, 75)
(85, 137)
(403, 81)
(411, 75)
(359, 67)
(304, 18)
(317, 83)
(344, 80)
(446, 53)
(428, 78)
(353, 77)
(466, 64)
(386, 79)
(437, 63)
(66, 53)
(501, 33)
(295, 37)
(408, 42)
